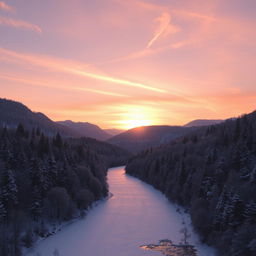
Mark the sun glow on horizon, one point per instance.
(129, 124)
(135, 116)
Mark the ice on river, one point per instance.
(136, 214)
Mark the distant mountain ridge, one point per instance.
(141, 138)
(134, 140)
(12, 113)
(203, 122)
(85, 129)
(113, 132)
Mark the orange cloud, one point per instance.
(5, 7)
(114, 80)
(180, 111)
(101, 92)
(19, 24)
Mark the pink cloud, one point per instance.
(5, 7)
(195, 34)
(151, 51)
(165, 28)
(51, 85)
(150, 6)
(73, 68)
(19, 24)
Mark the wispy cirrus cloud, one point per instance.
(195, 15)
(5, 7)
(35, 82)
(16, 23)
(19, 24)
(164, 29)
(77, 69)
(150, 51)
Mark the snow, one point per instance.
(135, 215)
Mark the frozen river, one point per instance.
(136, 214)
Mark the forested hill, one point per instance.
(85, 129)
(203, 122)
(112, 155)
(47, 180)
(12, 113)
(141, 138)
(212, 172)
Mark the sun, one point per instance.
(135, 116)
(129, 124)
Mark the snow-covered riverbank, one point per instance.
(136, 214)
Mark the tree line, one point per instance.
(212, 173)
(45, 181)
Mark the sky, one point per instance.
(126, 63)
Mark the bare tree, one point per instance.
(186, 235)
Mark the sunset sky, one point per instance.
(124, 63)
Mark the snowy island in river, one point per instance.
(166, 247)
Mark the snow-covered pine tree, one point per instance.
(52, 171)
(44, 182)
(3, 213)
(250, 212)
(36, 207)
(221, 173)
(222, 210)
(253, 175)
(252, 246)
(9, 188)
(33, 171)
(235, 211)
